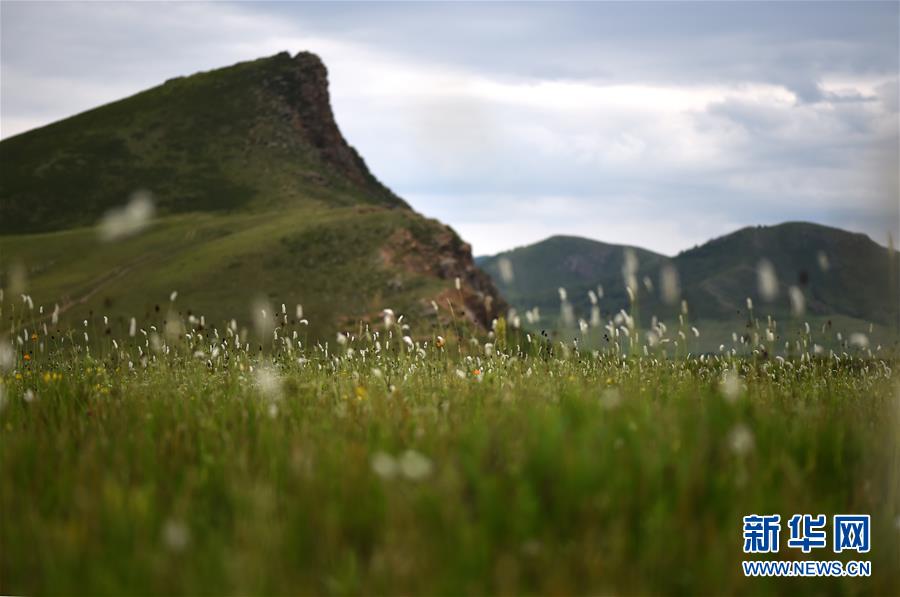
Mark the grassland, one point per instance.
(194, 462)
(331, 260)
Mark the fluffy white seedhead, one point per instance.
(741, 440)
(128, 220)
(766, 279)
(731, 386)
(859, 340)
(798, 302)
(261, 315)
(629, 270)
(670, 288)
(7, 355)
(384, 465)
(505, 267)
(567, 313)
(175, 535)
(268, 381)
(415, 466)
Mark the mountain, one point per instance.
(842, 276)
(256, 194)
(576, 264)
(839, 272)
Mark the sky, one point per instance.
(660, 125)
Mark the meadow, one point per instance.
(182, 458)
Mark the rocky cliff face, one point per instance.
(435, 250)
(301, 96)
(441, 253)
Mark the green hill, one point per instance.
(845, 279)
(576, 264)
(257, 197)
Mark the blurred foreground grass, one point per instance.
(421, 471)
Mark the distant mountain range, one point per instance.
(257, 196)
(835, 274)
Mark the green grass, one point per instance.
(328, 259)
(209, 469)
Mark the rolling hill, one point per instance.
(844, 278)
(256, 197)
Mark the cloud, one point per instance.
(654, 124)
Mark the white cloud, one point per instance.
(654, 129)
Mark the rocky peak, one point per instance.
(301, 88)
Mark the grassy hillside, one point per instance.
(339, 263)
(856, 277)
(847, 281)
(258, 198)
(254, 135)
